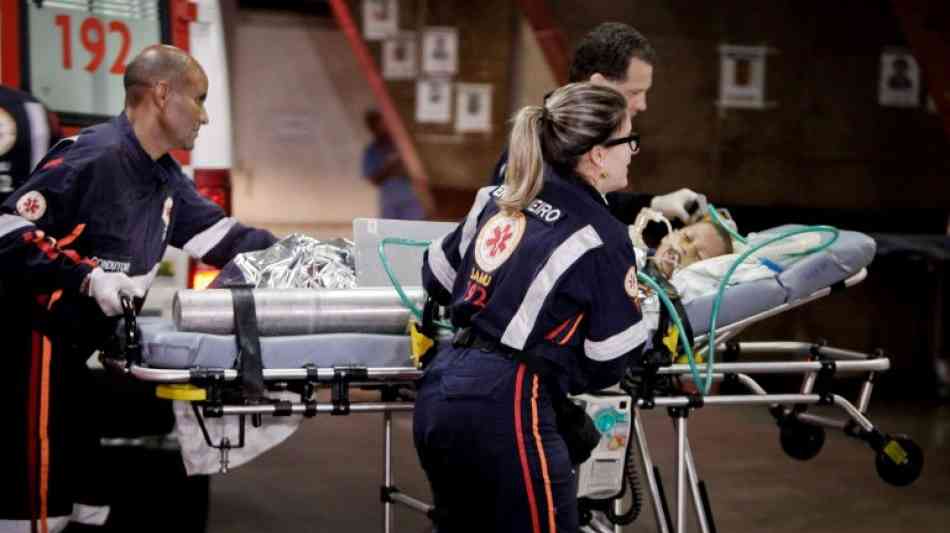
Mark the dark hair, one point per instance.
(607, 50)
(574, 119)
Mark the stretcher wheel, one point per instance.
(800, 440)
(899, 461)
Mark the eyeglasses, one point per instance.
(632, 140)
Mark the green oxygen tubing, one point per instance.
(704, 384)
(416, 312)
(392, 277)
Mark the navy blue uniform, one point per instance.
(559, 280)
(25, 137)
(623, 205)
(98, 199)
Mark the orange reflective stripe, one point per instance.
(44, 424)
(72, 236)
(44, 434)
(32, 426)
(523, 455)
(570, 334)
(557, 331)
(541, 456)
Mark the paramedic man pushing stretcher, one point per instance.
(92, 222)
(544, 279)
(618, 56)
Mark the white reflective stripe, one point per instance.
(619, 344)
(471, 222)
(64, 142)
(561, 260)
(11, 223)
(55, 523)
(91, 515)
(202, 243)
(39, 131)
(440, 266)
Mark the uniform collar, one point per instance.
(138, 156)
(574, 179)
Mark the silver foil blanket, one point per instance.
(297, 262)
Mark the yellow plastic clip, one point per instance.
(896, 452)
(181, 391)
(420, 344)
(671, 340)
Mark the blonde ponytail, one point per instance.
(574, 119)
(524, 174)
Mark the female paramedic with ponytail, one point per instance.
(542, 282)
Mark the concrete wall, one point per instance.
(298, 100)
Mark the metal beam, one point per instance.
(394, 123)
(550, 37)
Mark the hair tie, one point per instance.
(546, 115)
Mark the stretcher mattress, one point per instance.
(850, 253)
(165, 347)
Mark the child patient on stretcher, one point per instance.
(690, 244)
(695, 258)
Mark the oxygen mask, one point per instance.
(644, 217)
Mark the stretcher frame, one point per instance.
(393, 382)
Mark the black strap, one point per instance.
(249, 364)
(665, 318)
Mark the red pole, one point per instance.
(391, 118)
(550, 37)
(10, 43)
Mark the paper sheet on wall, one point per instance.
(399, 57)
(742, 71)
(473, 102)
(380, 19)
(433, 100)
(899, 84)
(440, 46)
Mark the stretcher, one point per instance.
(220, 381)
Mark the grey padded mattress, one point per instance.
(164, 347)
(846, 257)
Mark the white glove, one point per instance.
(106, 287)
(673, 205)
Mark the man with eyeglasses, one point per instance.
(618, 56)
(92, 224)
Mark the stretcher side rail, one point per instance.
(789, 409)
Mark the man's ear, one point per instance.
(598, 79)
(161, 92)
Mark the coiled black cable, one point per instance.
(632, 478)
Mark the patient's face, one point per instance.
(686, 246)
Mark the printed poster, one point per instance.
(440, 50)
(899, 85)
(742, 76)
(380, 19)
(399, 57)
(473, 107)
(433, 100)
